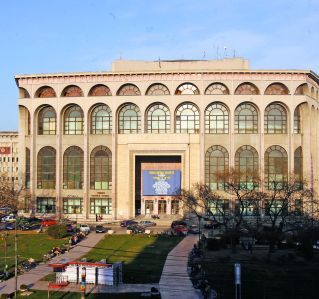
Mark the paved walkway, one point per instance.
(31, 277)
(175, 282)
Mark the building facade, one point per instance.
(119, 143)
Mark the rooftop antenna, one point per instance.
(159, 61)
(234, 55)
(225, 51)
(204, 54)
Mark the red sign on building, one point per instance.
(5, 150)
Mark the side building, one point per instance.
(119, 143)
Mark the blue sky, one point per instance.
(86, 35)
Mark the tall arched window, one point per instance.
(247, 88)
(187, 119)
(157, 89)
(45, 92)
(275, 119)
(101, 169)
(297, 121)
(46, 164)
(217, 89)
(246, 163)
(23, 93)
(187, 88)
(73, 121)
(158, 119)
(277, 89)
(73, 168)
(129, 119)
(72, 91)
(128, 90)
(47, 121)
(246, 119)
(302, 89)
(216, 119)
(27, 168)
(216, 164)
(101, 120)
(298, 161)
(99, 90)
(276, 167)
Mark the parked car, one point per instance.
(48, 222)
(9, 218)
(33, 226)
(211, 224)
(178, 223)
(70, 228)
(136, 229)
(146, 223)
(180, 230)
(84, 228)
(193, 229)
(126, 223)
(100, 229)
(10, 226)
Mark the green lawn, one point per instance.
(143, 256)
(29, 245)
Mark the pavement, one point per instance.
(175, 282)
(31, 277)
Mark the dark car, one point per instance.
(70, 228)
(211, 224)
(126, 223)
(100, 229)
(178, 223)
(10, 226)
(136, 229)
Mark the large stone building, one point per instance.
(119, 143)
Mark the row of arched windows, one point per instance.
(246, 163)
(159, 89)
(158, 119)
(73, 168)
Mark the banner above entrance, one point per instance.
(161, 182)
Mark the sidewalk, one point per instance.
(175, 282)
(31, 277)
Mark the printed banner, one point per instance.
(5, 150)
(161, 182)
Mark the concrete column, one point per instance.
(59, 164)
(86, 160)
(114, 163)
(33, 163)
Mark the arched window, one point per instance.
(47, 121)
(276, 167)
(246, 164)
(302, 89)
(312, 90)
(157, 89)
(217, 88)
(23, 93)
(46, 168)
(73, 168)
(73, 121)
(275, 119)
(187, 88)
(128, 90)
(187, 119)
(27, 168)
(277, 89)
(158, 119)
(298, 161)
(129, 119)
(101, 169)
(297, 121)
(99, 90)
(216, 164)
(72, 91)
(101, 120)
(216, 119)
(246, 119)
(45, 92)
(247, 89)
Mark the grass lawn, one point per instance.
(284, 275)
(143, 256)
(29, 245)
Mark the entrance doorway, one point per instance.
(175, 207)
(149, 207)
(162, 207)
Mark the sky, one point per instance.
(87, 35)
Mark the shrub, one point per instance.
(57, 231)
(4, 296)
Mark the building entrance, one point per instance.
(149, 207)
(162, 207)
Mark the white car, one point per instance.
(8, 219)
(84, 228)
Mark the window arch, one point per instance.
(23, 93)
(297, 121)
(277, 89)
(187, 89)
(216, 119)
(46, 168)
(187, 119)
(45, 92)
(129, 119)
(276, 167)
(247, 88)
(298, 162)
(73, 168)
(302, 89)
(246, 163)
(275, 119)
(217, 88)
(73, 120)
(99, 90)
(47, 121)
(101, 120)
(312, 91)
(246, 119)
(72, 91)
(128, 90)
(216, 163)
(157, 89)
(101, 168)
(158, 119)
